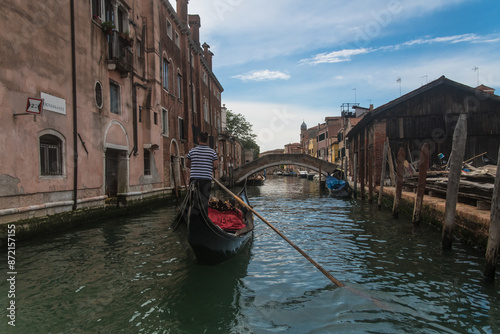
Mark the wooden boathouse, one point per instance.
(426, 115)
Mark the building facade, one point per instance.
(426, 115)
(100, 99)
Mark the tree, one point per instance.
(240, 128)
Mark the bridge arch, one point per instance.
(303, 160)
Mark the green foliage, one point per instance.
(239, 127)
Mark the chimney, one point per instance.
(486, 89)
(182, 10)
(195, 25)
(208, 55)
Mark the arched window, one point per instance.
(51, 157)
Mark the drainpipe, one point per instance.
(75, 112)
(134, 115)
(135, 85)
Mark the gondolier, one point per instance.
(202, 162)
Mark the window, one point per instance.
(177, 40)
(96, 9)
(179, 86)
(169, 29)
(181, 128)
(165, 74)
(114, 97)
(164, 117)
(147, 162)
(155, 118)
(51, 155)
(205, 79)
(194, 98)
(205, 110)
(138, 48)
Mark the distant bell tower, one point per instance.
(303, 130)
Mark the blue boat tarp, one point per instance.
(334, 184)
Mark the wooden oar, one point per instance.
(316, 264)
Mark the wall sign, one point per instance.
(34, 106)
(53, 103)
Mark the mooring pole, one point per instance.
(423, 165)
(382, 176)
(494, 237)
(362, 176)
(355, 180)
(457, 157)
(399, 182)
(320, 179)
(390, 161)
(370, 177)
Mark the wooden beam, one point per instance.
(457, 157)
(494, 235)
(399, 182)
(423, 166)
(382, 175)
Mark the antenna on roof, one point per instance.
(476, 69)
(425, 76)
(399, 80)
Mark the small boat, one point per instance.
(310, 176)
(336, 187)
(216, 235)
(303, 174)
(256, 180)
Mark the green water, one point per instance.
(136, 275)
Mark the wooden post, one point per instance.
(457, 157)
(494, 237)
(355, 165)
(392, 172)
(370, 176)
(320, 179)
(382, 176)
(399, 182)
(423, 166)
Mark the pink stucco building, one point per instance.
(126, 86)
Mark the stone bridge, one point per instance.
(304, 160)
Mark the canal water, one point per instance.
(136, 275)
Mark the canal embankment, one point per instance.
(472, 223)
(37, 221)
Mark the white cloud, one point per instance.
(346, 54)
(335, 56)
(264, 75)
(276, 124)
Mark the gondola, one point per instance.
(211, 235)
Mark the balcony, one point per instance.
(120, 55)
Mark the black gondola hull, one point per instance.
(211, 245)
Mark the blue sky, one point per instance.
(282, 62)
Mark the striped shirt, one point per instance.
(202, 158)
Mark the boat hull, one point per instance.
(211, 245)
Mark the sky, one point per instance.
(284, 62)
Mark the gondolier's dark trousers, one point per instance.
(205, 187)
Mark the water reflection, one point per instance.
(135, 275)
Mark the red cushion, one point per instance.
(227, 220)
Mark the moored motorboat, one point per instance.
(303, 174)
(215, 234)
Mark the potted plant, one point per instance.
(108, 27)
(96, 18)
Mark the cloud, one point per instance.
(264, 75)
(334, 57)
(346, 54)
